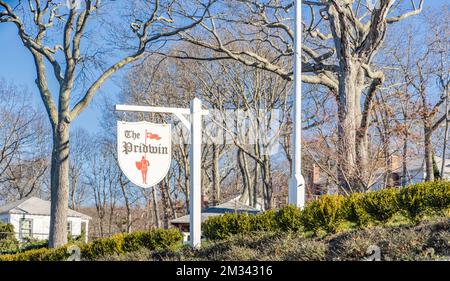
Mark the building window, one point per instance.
(25, 228)
(69, 228)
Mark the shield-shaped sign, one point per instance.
(144, 151)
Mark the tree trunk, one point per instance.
(59, 186)
(404, 160)
(255, 186)
(428, 154)
(148, 212)
(73, 191)
(352, 148)
(170, 200)
(267, 180)
(216, 175)
(155, 209)
(446, 133)
(127, 203)
(162, 186)
(243, 167)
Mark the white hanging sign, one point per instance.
(144, 151)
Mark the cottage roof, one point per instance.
(35, 206)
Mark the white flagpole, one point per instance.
(297, 182)
(196, 174)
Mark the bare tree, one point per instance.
(421, 66)
(340, 40)
(103, 178)
(67, 27)
(77, 167)
(23, 163)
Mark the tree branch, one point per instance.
(415, 11)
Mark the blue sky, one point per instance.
(16, 66)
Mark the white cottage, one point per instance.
(31, 218)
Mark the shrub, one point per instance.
(381, 205)
(132, 242)
(412, 200)
(6, 231)
(104, 246)
(43, 254)
(215, 228)
(438, 195)
(114, 245)
(265, 221)
(418, 199)
(289, 219)
(31, 245)
(166, 239)
(324, 213)
(221, 227)
(8, 241)
(353, 209)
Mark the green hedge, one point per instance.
(354, 211)
(116, 244)
(420, 199)
(381, 205)
(221, 227)
(329, 212)
(324, 213)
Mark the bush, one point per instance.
(381, 205)
(289, 219)
(104, 246)
(6, 231)
(8, 241)
(324, 213)
(328, 213)
(418, 199)
(158, 239)
(35, 244)
(221, 227)
(43, 254)
(412, 201)
(353, 209)
(265, 221)
(114, 245)
(438, 195)
(132, 242)
(166, 239)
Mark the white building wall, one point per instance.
(41, 225)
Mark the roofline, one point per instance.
(86, 217)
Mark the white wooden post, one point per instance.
(195, 180)
(297, 182)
